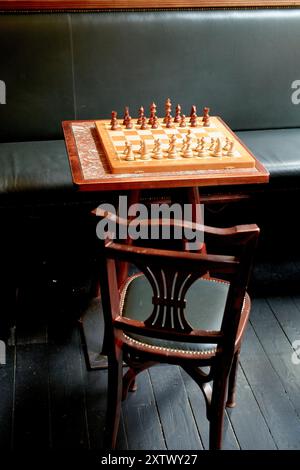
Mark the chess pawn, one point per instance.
(201, 152)
(172, 152)
(144, 151)
(212, 145)
(227, 145)
(193, 121)
(155, 123)
(169, 121)
(218, 149)
(128, 122)
(157, 152)
(230, 152)
(126, 150)
(182, 121)
(144, 123)
(130, 154)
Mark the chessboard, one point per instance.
(172, 147)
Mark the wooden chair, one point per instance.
(182, 308)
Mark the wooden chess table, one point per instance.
(91, 171)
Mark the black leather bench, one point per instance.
(80, 65)
(58, 66)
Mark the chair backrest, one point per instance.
(172, 273)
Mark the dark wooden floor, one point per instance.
(48, 399)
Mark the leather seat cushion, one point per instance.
(34, 166)
(205, 303)
(279, 151)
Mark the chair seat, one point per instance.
(205, 303)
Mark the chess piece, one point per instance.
(114, 121)
(141, 115)
(155, 123)
(227, 145)
(144, 123)
(168, 109)
(152, 113)
(230, 152)
(157, 151)
(201, 152)
(126, 149)
(169, 121)
(193, 114)
(172, 152)
(188, 152)
(193, 120)
(206, 121)
(128, 122)
(144, 151)
(177, 117)
(218, 149)
(130, 154)
(182, 121)
(212, 144)
(126, 114)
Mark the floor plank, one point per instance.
(278, 348)
(275, 405)
(286, 310)
(179, 427)
(141, 420)
(31, 418)
(96, 390)
(67, 392)
(247, 419)
(197, 402)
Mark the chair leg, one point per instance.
(217, 414)
(129, 382)
(232, 381)
(114, 394)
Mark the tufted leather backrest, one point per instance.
(58, 66)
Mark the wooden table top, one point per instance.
(90, 170)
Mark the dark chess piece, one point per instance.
(206, 120)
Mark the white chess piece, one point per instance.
(157, 152)
(230, 152)
(172, 152)
(188, 152)
(144, 151)
(218, 149)
(130, 154)
(201, 148)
